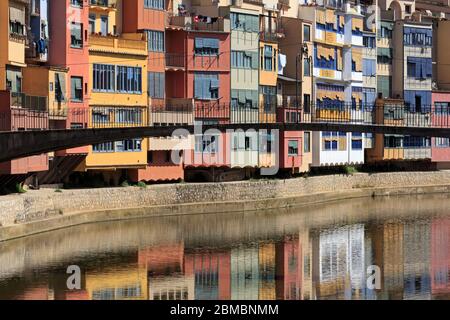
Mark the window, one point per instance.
(129, 79)
(76, 3)
(103, 77)
(393, 141)
(269, 94)
(92, 23)
(442, 142)
(419, 68)
(306, 32)
(369, 68)
(244, 59)
(357, 141)
(154, 4)
(442, 108)
(416, 142)
(334, 141)
(407, 8)
(266, 142)
(104, 25)
(132, 145)
(306, 67)
(369, 42)
(101, 115)
(156, 84)
(307, 142)
(411, 69)
(207, 46)
(244, 99)
(60, 87)
(155, 41)
(206, 86)
(306, 103)
(384, 55)
(76, 38)
(103, 147)
(128, 115)
(244, 22)
(206, 143)
(417, 36)
(268, 58)
(76, 89)
(292, 148)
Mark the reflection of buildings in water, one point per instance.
(211, 274)
(244, 273)
(288, 268)
(417, 240)
(307, 288)
(388, 255)
(37, 293)
(167, 279)
(440, 258)
(174, 287)
(339, 262)
(267, 271)
(126, 283)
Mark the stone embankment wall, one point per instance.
(250, 195)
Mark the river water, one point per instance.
(382, 248)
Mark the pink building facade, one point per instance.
(440, 150)
(291, 142)
(69, 49)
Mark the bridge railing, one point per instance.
(14, 119)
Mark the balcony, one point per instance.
(272, 36)
(175, 111)
(283, 4)
(19, 111)
(175, 61)
(190, 23)
(103, 4)
(21, 100)
(132, 43)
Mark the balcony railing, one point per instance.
(21, 100)
(135, 42)
(175, 61)
(194, 23)
(104, 3)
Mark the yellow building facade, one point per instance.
(12, 43)
(118, 90)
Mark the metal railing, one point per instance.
(16, 118)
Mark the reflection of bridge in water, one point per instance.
(26, 132)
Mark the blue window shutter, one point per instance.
(197, 86)
(162, 84)
(198, 43)
(215, 43)
(206, 92)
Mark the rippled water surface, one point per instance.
(320, 252)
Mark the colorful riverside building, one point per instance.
(294, 91)
(17, 106)
(337, 30)
(440, 97)
(153, 18)
(118, 91)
